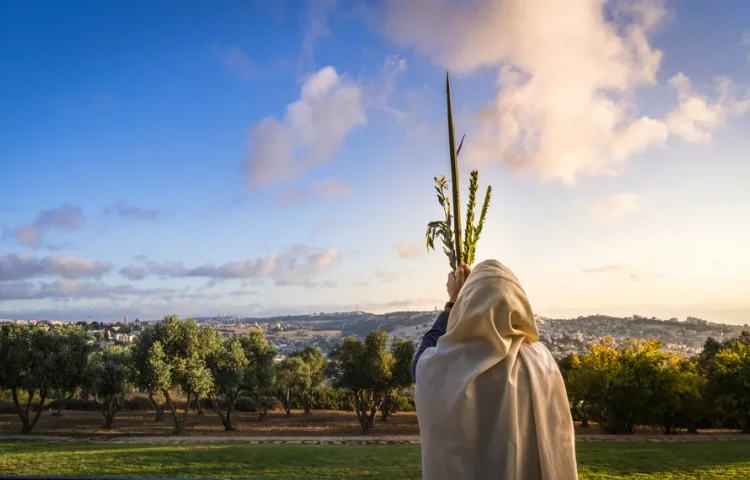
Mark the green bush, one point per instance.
(139, 403)
(405, 404)
(7, 407)
(275, 405)
(246, 404)
(332, 399)
(75, 404)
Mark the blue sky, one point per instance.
(258, 158)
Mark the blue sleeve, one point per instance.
(430, 339)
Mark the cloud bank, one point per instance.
(66, 217)
(567, 73)
(314, 128)
(23, 266)
(130, 212)
(298, 265)
(615, 207)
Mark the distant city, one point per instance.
(561, 336)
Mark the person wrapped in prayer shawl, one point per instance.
(491, 401)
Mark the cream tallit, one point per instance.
(490, 399)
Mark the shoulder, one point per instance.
(538, 354)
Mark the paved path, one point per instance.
(352, 440)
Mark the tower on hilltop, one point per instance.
(125, 322)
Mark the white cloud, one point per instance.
(324, 188)
(65, 217)
(133, 272)
(316, 26)
(330, 187)
(236, 60)
(314, 128)
(567, 75)
(298, 265)
(23, 266)
(73, 289)
(127, 212)
(410, 249)
(393, 67)
(615, 207)
(290, 196)
(697, 116)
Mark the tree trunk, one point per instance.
(199, 405)
(42, 398)
(385, 409)
(286, 400)
(361, 409)
(228, 420)
(746, 426)
(60, 405)
(262, 407)
(375, 403)
(109, 410)
(108, 421)
(159, 410)
(22, 414)
(109, 414)
(28, 425)
(179, 423)
(307, 402)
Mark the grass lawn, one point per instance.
(605, 460)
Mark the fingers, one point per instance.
(464, 272)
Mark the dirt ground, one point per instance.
(320, 423)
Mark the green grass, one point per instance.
(605, 460)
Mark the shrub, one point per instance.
(332, 399)
(75, 404)
(405, 404)
(7, 408)
(274, 404)
(246, 404)
(139, 403)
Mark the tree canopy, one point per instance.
(109, 377)
(27, 357)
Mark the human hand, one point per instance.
(455, 283)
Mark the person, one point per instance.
(490, 399)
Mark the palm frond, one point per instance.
(449, 230)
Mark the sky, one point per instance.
(259, 158)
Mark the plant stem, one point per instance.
(454, 174)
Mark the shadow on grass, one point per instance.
(606, 460)
(707, 459)
(210, 461)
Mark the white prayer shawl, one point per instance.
(490, 399)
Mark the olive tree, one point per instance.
(26, 365)
(729, 382)
(260, 376)
(150, 377)
(364, 368)
(109, 377)
(402, 352)
(176, 360)
(293, 377)
(69, 362)
(228, 365)
(316, 361)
